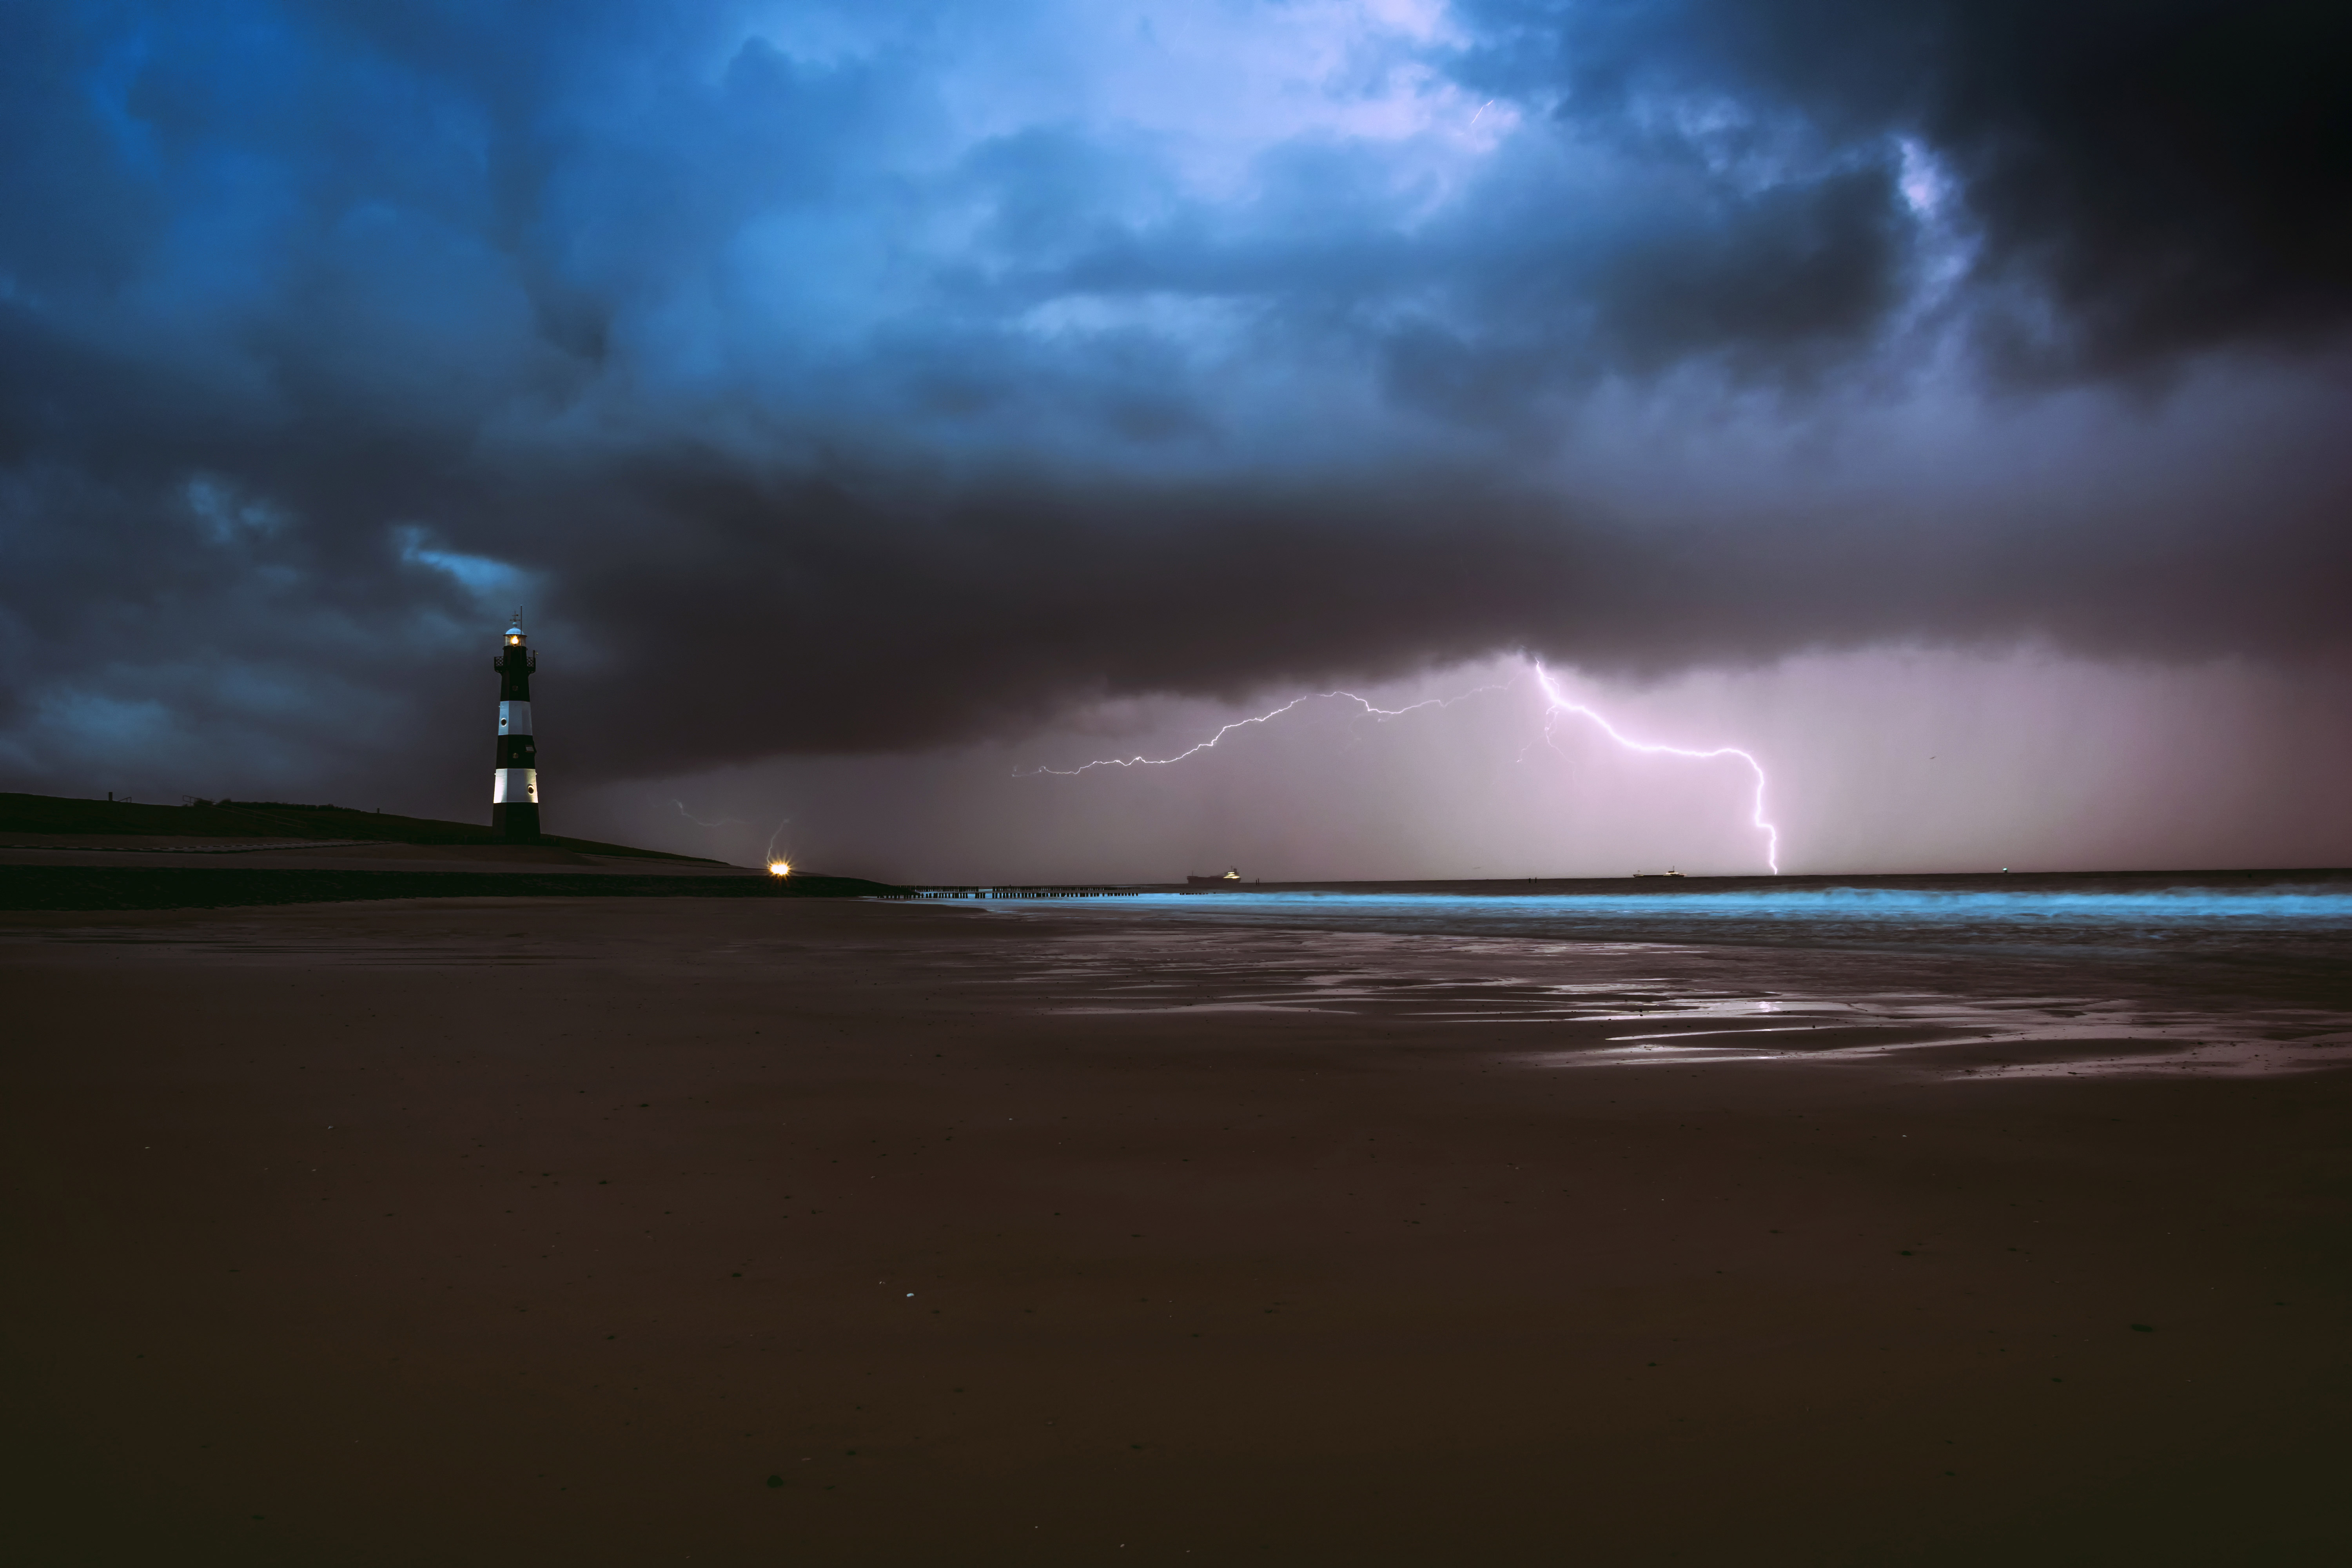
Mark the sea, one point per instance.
(2255, 968)
(2157, 923)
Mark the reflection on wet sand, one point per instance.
(1636, 1019)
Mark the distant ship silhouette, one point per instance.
(1639, 874)
(1230, 878)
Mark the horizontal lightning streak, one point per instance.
(1382, 714)
(1556, 704)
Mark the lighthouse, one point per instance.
(514, 787)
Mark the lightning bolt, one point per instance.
(723, 822)
(1382, 714)
(1557, 703)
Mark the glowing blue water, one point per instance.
(2264, 921)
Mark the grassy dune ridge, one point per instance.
(48, 813)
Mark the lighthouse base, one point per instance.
(519, 823)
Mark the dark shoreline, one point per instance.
(69, 887)
(82, 887)
(1925, 882)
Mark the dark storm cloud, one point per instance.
(850, 379)
(841, 620)
(2160, 176)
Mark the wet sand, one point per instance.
(485, 1231)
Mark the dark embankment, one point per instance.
(22, 815)
(212, 888)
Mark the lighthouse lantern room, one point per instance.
(514, 787)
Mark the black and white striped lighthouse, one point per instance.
(514, 788)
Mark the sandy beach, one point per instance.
(633, 1231)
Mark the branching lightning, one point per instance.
(1556, 704)
(1382, 714)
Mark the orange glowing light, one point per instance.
(780, 868)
